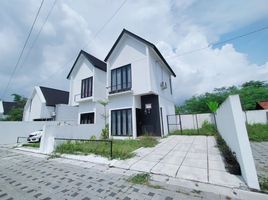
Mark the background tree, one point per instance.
(16, 113)
(249, 92)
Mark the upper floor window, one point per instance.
(121, 79)
(86, 87)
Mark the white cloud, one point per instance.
(175, 26)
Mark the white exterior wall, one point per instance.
(66, 113)
(232, 128)
(1, 110)
(9, 131)
(256, 116)
(131, 51)
(84, 70)
(168, 108)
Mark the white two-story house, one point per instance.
(87, 86)
(135, 79)
(139, 88)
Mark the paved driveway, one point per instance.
(26, 177)
(188, 157)
(260, 154)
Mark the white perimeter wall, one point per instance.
(232, 128)
(9, 131)
(83, 131)
(256, 116)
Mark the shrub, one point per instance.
(105, 132)
(93, 137)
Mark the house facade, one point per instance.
(139, 88)
(135, 79)
(48, 104)
(87, 86)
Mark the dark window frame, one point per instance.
(170, 85)
(87, 87)
(114, 126)
(124, 74)
(86, 118)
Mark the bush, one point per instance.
(257, 132)
(105, 132)
(93, 137)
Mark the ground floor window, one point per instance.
(87, 118)
(121, 122)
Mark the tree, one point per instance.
(250, 92)
(16, 113)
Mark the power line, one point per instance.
(22, 51)
(38, 34)
(95, 36)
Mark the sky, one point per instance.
(175, 27)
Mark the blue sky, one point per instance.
(175, 26)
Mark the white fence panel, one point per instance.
(81, 131)
(256, 116)
(231, 126)
(10, 130)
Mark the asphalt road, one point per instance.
(28, 177)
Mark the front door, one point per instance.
(150, 116)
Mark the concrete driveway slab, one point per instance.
(224, 178)
(143, 166)
(193, 173)
(165, 169)
(195, 163)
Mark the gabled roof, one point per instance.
(142, 40)
(7, 106)
(54, 96)
(92, 59)
(262, 105)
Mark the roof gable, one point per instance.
(54, 96)
(142, 40)
(92, 59)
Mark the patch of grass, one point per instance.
(34, 145)
(142, 179)
(257, 132)
(206, 129)
(122, 149)
(53, 156)
(230, 159)
(263, 183)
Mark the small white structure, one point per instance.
(139, 88)
(87, 86)
(42, 105)
(5, 107)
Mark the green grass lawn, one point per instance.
(206, 129)
(258, 132)
(122, 149)
(34, 145)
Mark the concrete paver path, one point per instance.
(188, 157)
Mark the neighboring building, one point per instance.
(139, 82)
(5, 107)
(43, 105)
(87, 86)
(262, 105)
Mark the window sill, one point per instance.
(84, 99)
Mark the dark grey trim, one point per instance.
(92, 59)
(142, 40)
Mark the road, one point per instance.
(28, 177)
